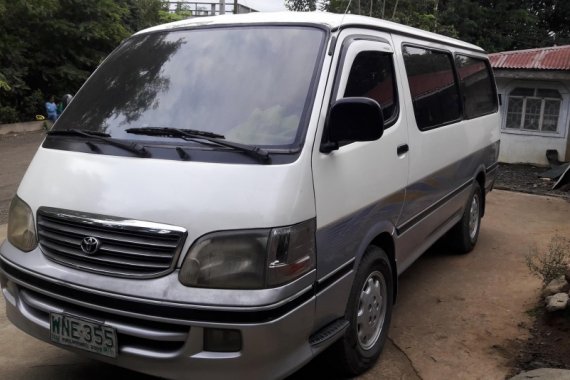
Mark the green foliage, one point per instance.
(166, 16)
(552, 263)
(50, 47)
(141, 14)
(554, 16)
(301, 5)
(494, 25)
(4, 84)
(181, 12)
(8, 115)
(33, 104)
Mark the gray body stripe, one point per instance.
(430, 190)
(413, 221)
(346, 238)
(339, 242)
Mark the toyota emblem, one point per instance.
(90, 245)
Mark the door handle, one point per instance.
(402, 149)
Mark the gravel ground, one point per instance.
(526, 179)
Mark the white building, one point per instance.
(534, 87)
(216, 7)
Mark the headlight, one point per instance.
(251, 259)
(21, 229)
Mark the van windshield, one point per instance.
(249, 84)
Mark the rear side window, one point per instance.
(434, 90)
(372, 76)
(477, 86)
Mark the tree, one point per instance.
(142, 14)
(50, 47)
(181, 12)
(554, 16)
(301, 5)
(494, 25)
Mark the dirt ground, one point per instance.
(548, 345)
(469, 308)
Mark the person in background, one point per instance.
(51, 109)
(63, 103)
(66, 99)
(59, 108)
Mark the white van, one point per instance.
(231, 196)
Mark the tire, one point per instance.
(360, 346)
(463, 236)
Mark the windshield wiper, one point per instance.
(132, 147)
(192, 135)
(173, 132)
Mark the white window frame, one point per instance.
(563, 114)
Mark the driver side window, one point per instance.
(372, 76)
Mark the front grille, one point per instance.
(132, 333)
(124, 247)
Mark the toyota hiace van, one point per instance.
(231, 196)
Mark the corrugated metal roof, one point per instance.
(550, 58)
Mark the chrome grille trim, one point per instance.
(129, 248)
(133, 334)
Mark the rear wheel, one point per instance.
(463, 236)
(369, 312)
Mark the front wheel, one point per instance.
(369, 312)
(463, 236)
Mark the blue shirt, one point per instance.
(51, 108)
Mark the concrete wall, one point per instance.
(519, 146)
(529, 149)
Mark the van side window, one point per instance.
(477, 86)
(372, 76)
(434, 90)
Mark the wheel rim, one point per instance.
(371, 310)
(474, 217)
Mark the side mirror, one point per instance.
(353, 119)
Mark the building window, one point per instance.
(534, 109)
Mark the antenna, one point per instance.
(347, 7)
(345, 12)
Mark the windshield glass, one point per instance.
(250, 84)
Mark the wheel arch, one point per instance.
(382, 236)
(386, 242)
(480, 178)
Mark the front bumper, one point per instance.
(166, 339)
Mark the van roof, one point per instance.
(329, 20)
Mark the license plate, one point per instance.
(84, 334)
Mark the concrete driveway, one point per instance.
(456, 316)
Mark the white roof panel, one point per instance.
(330, 20)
